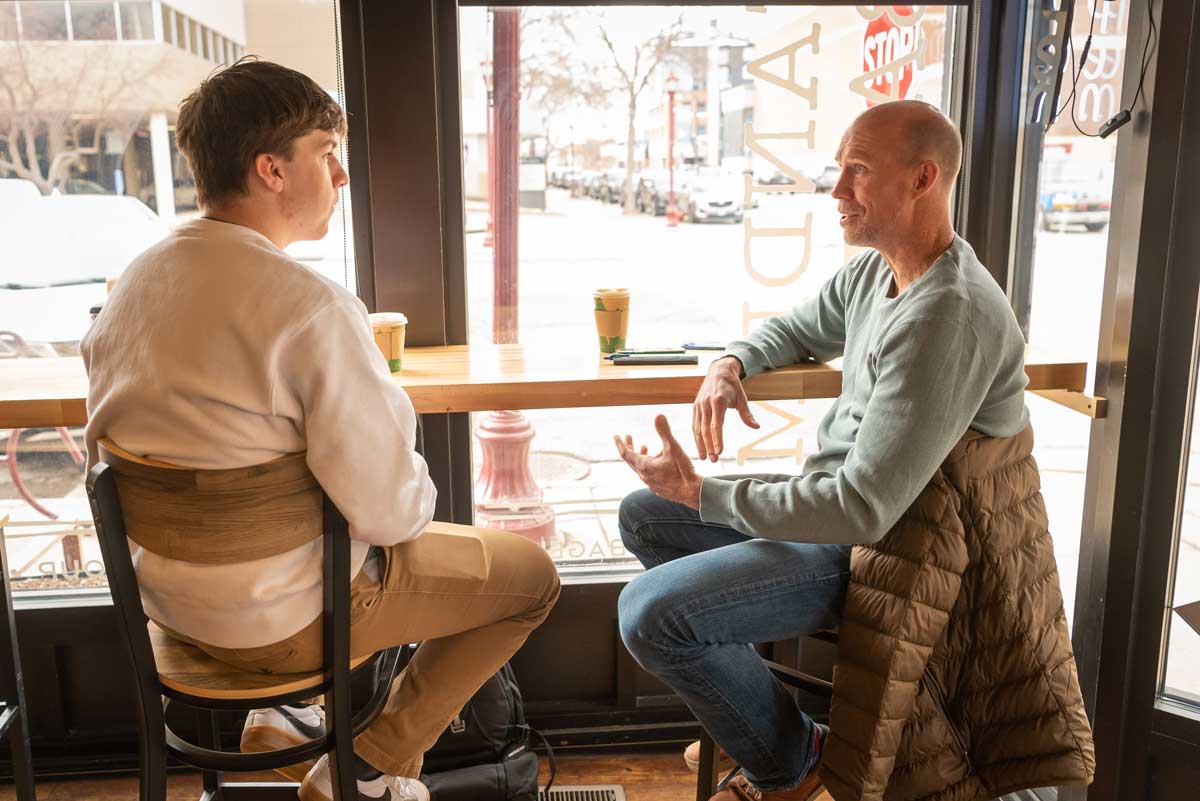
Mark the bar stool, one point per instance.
(708, 778)
(215, 517)
(14, 720)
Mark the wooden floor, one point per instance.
(646, 776)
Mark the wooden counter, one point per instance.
(45, 393)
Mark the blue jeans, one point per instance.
(707, 594)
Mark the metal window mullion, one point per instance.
(117, 20)
(70, 22)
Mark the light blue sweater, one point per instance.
(918, 371)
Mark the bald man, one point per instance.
(930, 348)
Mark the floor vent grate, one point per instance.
(584, 792)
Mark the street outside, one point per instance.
(688, 284)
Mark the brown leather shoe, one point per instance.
(691, 757)
(740, 789)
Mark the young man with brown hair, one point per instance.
(218, 350)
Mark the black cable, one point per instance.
(1145, 52)
(1074, 80)
(1087, 45)
(1124, 115)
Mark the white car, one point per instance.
(712, 197)
(57, 253)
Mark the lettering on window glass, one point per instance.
(1098, 92)
(803, 233)
(1045, 69)
(790, 421)
(1100, 74)
(780, 67)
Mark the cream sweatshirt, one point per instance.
(216, 350)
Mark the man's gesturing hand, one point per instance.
(670, 474)
(722, 390)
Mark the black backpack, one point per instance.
(486, 753)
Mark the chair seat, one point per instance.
(185, 668)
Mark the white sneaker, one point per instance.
(281, 727)
(317, 786)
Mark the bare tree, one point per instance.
(630, 63)
(553, 78)
(55, 105)
(634, 63)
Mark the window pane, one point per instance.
(45, 20)
(91, 186)
(1065, 207)
(8, 22)
(594, 185)
(168, 25)
(1182, 677)
(137, 20)
(93, 20)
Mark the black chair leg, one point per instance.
(342, 774)
(152, 763)
(707, 778)
(209, 736)
(22, 758)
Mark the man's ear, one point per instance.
(266, 171)
(926, 178)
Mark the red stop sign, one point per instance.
(884, 42)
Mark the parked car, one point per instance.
(16, 191)
(776, 177)
(595, 183)
(711, 197)
(827, 179)
(612, 184)
(1075, 192)
(653, 186)
(65, 247)
(580, 182)
(566, 177)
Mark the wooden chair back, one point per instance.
(216, 516)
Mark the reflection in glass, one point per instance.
(43, 20)
(93, 19)
(137, 20)
(8, 22)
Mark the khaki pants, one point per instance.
(471, 600)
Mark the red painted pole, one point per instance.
(672, 215)
(507, 495)
(489, 237)
(506, 47)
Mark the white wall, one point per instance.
(295, 33)
(227, 17)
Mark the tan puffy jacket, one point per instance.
(955, 679)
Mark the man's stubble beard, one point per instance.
(864, 235)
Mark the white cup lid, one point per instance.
(388, 318)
